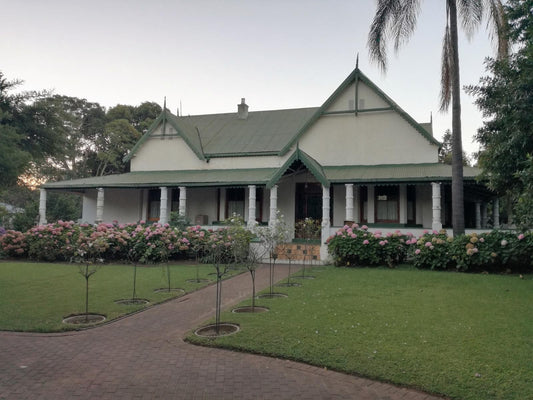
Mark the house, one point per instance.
(358, 157)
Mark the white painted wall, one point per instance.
(366, 139)
(202, 201)
(123, 205)
(173, 153)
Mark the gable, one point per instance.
(339, 103)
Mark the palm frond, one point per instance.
(404, 22)
(498, 27)
(393, 18)
(471, 15)
(446, 71)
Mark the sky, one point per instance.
(205, 55)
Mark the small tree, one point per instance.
(272, 236)
(218, 253)
(246, 255)
(309, 230)
(89, 252)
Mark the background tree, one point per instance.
(506, 100)
(396, 20)
(445, 152)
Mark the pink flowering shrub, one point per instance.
(55, 241)
(354, 245)
(430, 251)
(13, 244)
(156, 243)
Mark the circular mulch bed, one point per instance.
(160, 290)
(132, 302)
(198, 280)
(224, 329)
(271, 295)
(289, 284)
(84, 319)
(249, 309)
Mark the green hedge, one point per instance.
(492, 251)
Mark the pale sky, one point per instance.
(209, 54)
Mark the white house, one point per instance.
(358, 157)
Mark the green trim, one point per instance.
(312, 165)
(358, 111)
(354, 76)
(248, 154)
(165, 117)
(143, 138)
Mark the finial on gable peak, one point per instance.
(165, 103)
(357, 61)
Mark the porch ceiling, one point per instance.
(170, 178)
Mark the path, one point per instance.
(144, 357)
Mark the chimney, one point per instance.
(242, 110)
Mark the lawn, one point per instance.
(36, 296)
(462, 335)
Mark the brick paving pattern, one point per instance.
(143, 356)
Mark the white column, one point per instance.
(163, 205)
(496, 213)
(478, 214)
(403, 203)
(436, 223)
(326, 223)
(99, 205)
(42, 207)
(183, 201)
(251, 206)
(349, 202)
(370, 201)
(273, 205)
(484, 215)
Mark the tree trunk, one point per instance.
(458, 217)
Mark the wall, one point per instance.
(115, 201)
(366, 139)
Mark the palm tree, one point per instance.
(396, 19)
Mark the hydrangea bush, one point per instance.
(492, 251)
(355, 245)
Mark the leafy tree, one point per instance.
(14, 158)
(111, 147)
(145, 114)
(506, 100)
(396, 20)
(445, 152)
(120, 111)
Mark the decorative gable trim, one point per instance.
(312, 165)
(189, 134)
(357, 76)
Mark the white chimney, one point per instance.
(242, 109)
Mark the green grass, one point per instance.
(37, 296)
(461, 335)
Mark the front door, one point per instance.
(308, 201)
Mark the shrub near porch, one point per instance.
(355, 245)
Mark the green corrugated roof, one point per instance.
(170, 178)
(270, 176)
(260, 132)
(312, 165)
(395, 173)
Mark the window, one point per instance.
(387, 203)
(235, 202)
(154, 204)
(175, 203)
(411, 204)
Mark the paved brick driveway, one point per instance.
(144, 357)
